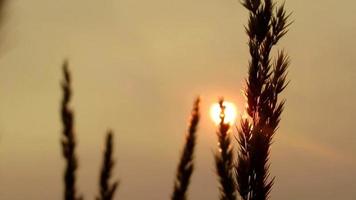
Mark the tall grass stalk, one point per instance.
(186, 164)
(268, 23)
(224, 159)
(107, 189)
(68, 139)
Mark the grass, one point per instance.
(107, 189)
(246, 175)
(267, 79)
(268, 23)
(68, 139)
(224, 159)
(186, 165)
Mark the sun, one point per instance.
(230, 113)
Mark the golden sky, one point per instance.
(138, 65)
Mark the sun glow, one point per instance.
(230, 113)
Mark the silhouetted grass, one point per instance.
(267, 24)
(186, 164)
(107, 189)
(224, 159)
(68, 139)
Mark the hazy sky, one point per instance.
(138, 65)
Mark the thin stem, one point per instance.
(107, 189)
(224, 159)
(186, 164)
(68, 139)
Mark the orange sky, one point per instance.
(138, 65)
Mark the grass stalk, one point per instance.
(224, 159)
(186, 164)
(267, 24)
(68, 139)
(107, 189)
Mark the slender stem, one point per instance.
(224, 159)
(68, 139)
(186, 164)
(107, 189)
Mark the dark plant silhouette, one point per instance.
(224, 159)
(107, 189)
(68, 139)
(186, 165)
(267, 24)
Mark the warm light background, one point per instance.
(137, 67)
